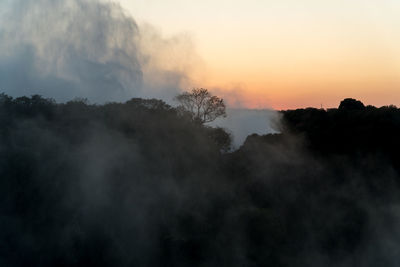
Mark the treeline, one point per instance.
(352, 128)
(140, 184)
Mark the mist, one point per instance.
(140, 184)
(88, 49)
(100, 168)
(95, 50)
(242, 122)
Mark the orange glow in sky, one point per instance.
(288, 53)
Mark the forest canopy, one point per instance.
(138, 184)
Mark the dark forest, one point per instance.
(141, 184)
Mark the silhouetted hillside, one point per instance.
(139, 184)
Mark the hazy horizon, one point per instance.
(257, 54)
(288, 54)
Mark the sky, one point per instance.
(287, 53)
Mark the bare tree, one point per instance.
(201, 105)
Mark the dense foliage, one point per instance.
(139, 184)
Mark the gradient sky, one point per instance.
(289, 53)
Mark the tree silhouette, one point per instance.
(201, 105)
(351, 104)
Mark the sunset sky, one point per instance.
(288, 53)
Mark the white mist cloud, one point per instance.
(243, 122)
(86, 48)
(94, 49)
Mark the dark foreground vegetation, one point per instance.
(141, 184)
